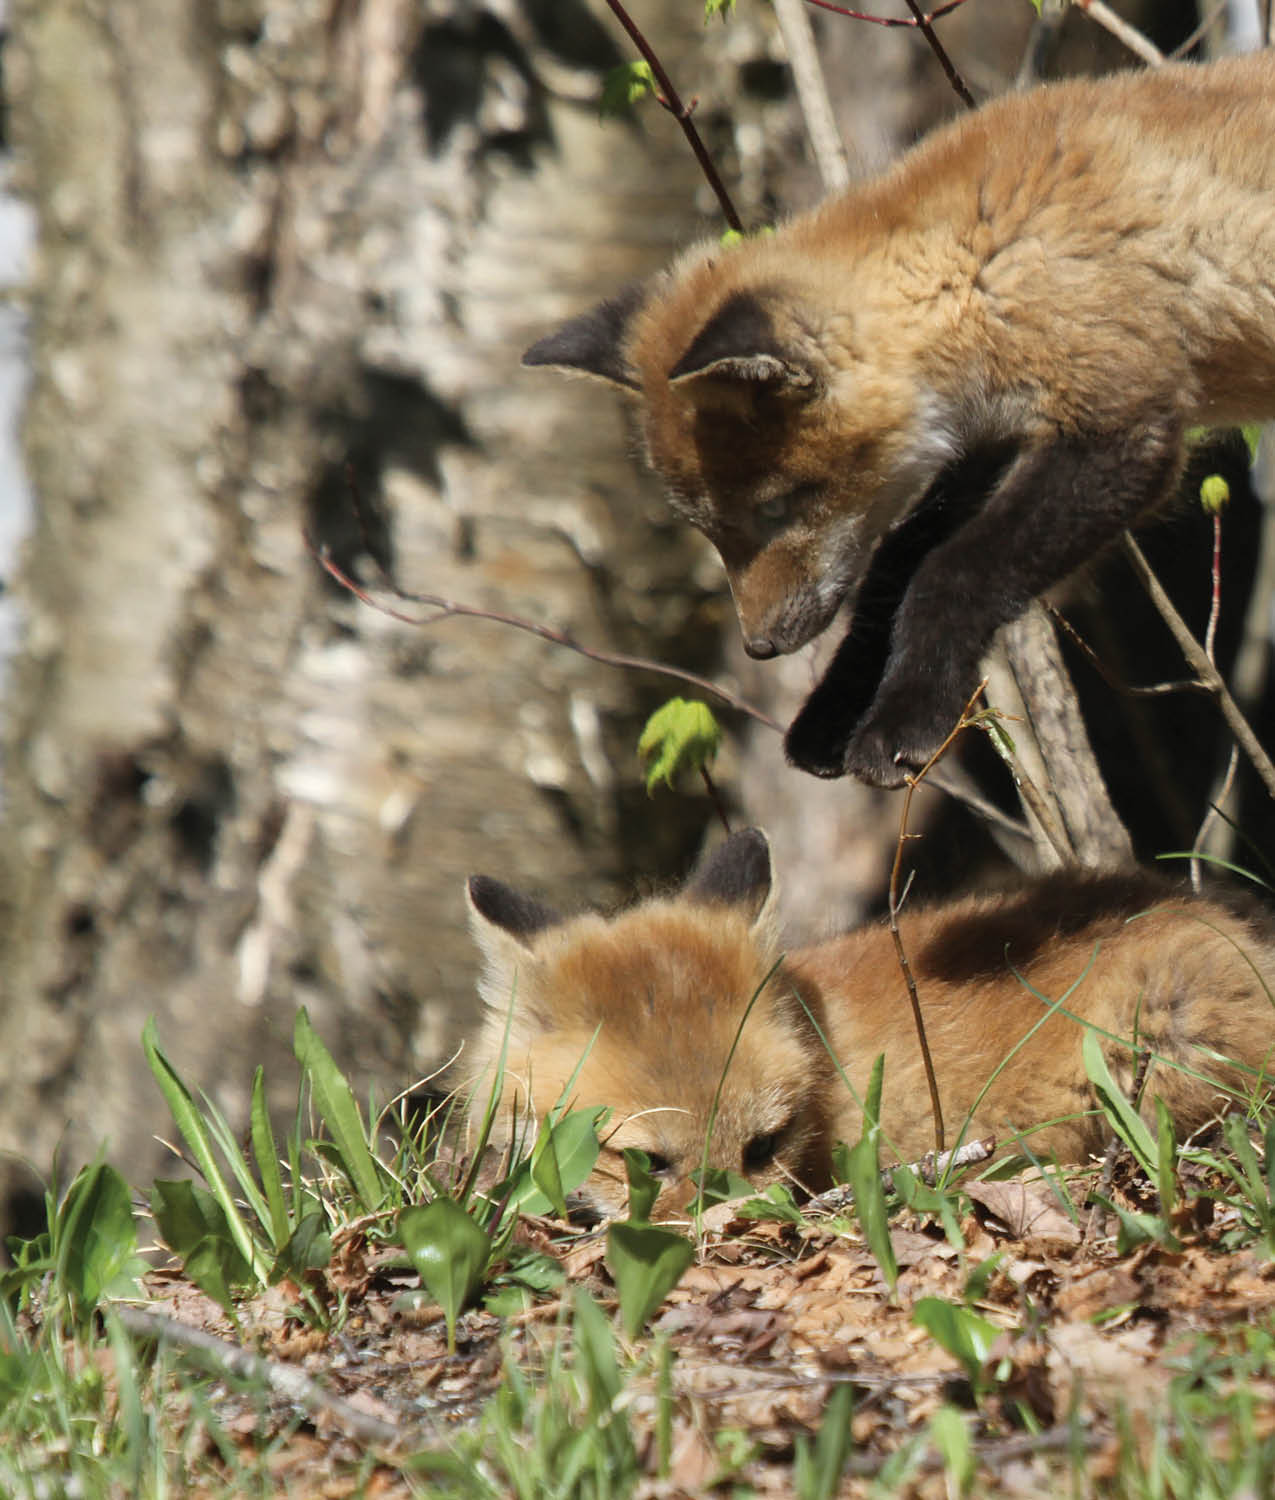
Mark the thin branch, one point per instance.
(929, 1168)
(1141, 46)
(858, 15)
(940, 51)
(289, 1382)
(1126, 689)
(1202, 666)
(444, 609)
(1200, 32)
(905, 968)
(1210, 640)
(812, 94)
(672, 101)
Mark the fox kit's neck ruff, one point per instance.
(641, 1013)
(1011, 329)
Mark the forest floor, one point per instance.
(1030, 1346)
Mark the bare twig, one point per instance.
(940, 51)
(905, 968)
(1126, 689)
(1201, 665)
(714, 796)
(444, 609)
(1141, 46)
(859, 15)
(672, 101)
(812, 94)
(1201, 31)
(292, 1384)
(929, 1168)
(1210, 640)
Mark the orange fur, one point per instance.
(1048, 292)
(641, 1011)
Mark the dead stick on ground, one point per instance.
(285, 1379)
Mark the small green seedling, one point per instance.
(646, 1263)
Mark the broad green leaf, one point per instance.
(193, 1225)
(571, 1144)
(967, 1336)
(624, 86)
(921, 1198)
(644, 1188)
(267, 1157)
(775, 1204)
(681, 735)
(339, 1112)
(96, 1240)
(719, 1185)
(646, 1263)
(449, 1252)
(308, 1248)
(1121, 1115)
(1138, 1228)
(195, 1133)
(1252, 432)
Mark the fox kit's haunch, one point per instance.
(941, 392)
(639, 1012)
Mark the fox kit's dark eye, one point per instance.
(760, 1151)
(783, 507)
(657, 1165)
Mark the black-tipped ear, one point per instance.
(738, 343)
(518, 915)
(737, 873)
(594, 342)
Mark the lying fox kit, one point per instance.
(639, 1012)
(939, 393)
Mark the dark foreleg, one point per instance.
(1054, 507)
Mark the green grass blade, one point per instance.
(1124, 1119)
(195, 1133)
(335, 1102)
(267, 1157)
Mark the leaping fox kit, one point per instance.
(938, 394)
(651, 1001)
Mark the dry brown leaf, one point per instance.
(1025, 1209)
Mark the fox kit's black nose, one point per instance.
(761, 647)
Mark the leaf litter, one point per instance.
(766, 1323)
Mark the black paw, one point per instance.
(817, 738)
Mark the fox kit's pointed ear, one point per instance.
(594, 342)
(505, 925)
(737, 347)
(494, 904)
(737, 874)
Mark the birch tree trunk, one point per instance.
(283, 241)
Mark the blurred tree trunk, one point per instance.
(282, 241)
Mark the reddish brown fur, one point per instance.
(1017, 323)
(665, 985)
